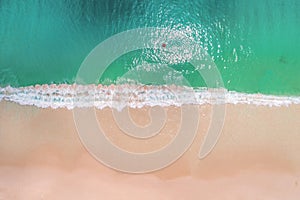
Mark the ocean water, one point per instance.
(255, 44)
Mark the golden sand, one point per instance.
(256, 157)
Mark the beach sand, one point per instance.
(256, 157)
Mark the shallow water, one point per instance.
(254, 44)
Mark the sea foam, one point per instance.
(135, 96)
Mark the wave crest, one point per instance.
(135, 96)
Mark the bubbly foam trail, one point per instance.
(135, 96)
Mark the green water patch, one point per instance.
(158, 74)
(255, 44)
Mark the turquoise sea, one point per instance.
(254, 43)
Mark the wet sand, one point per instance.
(256, 157)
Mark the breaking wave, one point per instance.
(135, 96)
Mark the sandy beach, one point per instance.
(256, 157)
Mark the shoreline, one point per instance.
(134, 96)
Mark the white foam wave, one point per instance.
(135, 96)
